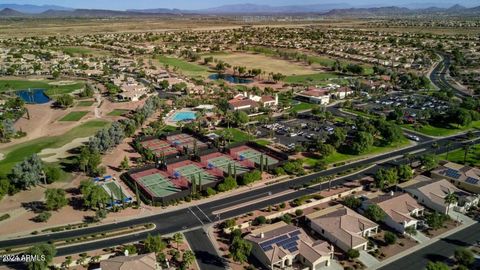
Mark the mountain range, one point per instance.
(332, 9)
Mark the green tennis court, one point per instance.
(191, 171)
(255, 156)
(224, 162)
(158, 185)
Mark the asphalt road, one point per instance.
(438, 76)
(438, 251)
(204, 250)
(197, 216)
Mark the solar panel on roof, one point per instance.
(297, 232)
(293, 249)
(472, 180)
(452, 173)
(267, 248)
(290, 245)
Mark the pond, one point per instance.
(33, 96)
(229, 78)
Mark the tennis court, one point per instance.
(245, 152)
(159, 185)
(224, 162)
(191, 170)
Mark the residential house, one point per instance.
(432, 194)
(464, 177)
(145, 262)
(400, 209)
(279, 245)
(343, 227)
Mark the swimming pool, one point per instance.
(183, 116)
(33, 96)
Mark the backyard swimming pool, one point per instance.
(183, 116)
(33, 96)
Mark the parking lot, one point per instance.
(413, 105)
(296, 131)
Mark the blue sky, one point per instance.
(198, 4)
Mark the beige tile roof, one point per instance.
(345, 224)
(144, 262)
(398, 207)
(309, 249)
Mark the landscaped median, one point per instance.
(87, 238)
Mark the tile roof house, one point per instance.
(464, 177)
(145, 262)
(247, 101)
(399, 209)
(343, 227)
(279, 245)
(432, 194)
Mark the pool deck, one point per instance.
(169, 119)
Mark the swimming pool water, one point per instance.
(184, 116)
(33, 96)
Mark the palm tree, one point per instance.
(188, 258)
(177, 239)
(450, 199)
(448, 145)
(466, 148)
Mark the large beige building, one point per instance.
(464, 177)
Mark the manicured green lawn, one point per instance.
(85, 103)
(118, 112)
(457, 156)
(77, 50)
(50, 90)
(190, 69)
(337, 157)
(302, 106)
(73, 116)
(310, 78)
(442, 131)
(236, 135)
(18, 152)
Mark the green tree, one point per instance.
(188, 258)
(43, 217)
(375, 213)
(389, 238)
(154, 243)
(352, 202)
(405, 172)
(450, 198)
(65, 101)
(124, 164)
(337, 137)
(429, 161)
(53, 174)
(353, 253)
(45, 251)
(437, 266)
(93, 195)
(177, 239)
(464, 256)
(362, 142)
(55, 199)
(435, 220)
(240, 249)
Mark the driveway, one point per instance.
(367, 259)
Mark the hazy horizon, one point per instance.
(195, 4)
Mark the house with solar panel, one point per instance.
(280, 246)
(343, 227)
(432, 193)
(464, 177)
